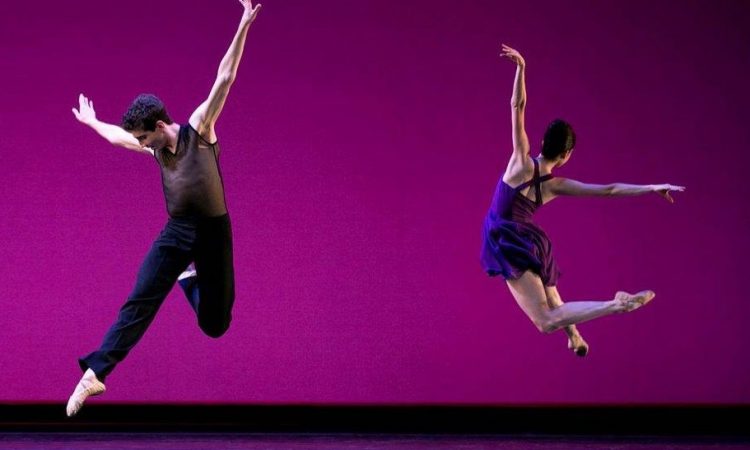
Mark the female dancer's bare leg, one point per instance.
(531, 296)
(576, 343)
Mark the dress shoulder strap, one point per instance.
(537, 180)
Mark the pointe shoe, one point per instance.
(631, 302)
(87, 387)
(580, 348)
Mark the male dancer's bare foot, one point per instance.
(578, 345)
(87, 387)
(630, 302)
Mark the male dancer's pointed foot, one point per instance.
(87, 387)
(188, 280)
(189, 272)
(630, 302)
(578, 345)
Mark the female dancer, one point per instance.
(517, 249)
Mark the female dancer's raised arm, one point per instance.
(518, 104)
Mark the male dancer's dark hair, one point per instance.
(144, 112)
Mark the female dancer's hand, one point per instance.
(513, 55)
(250, 11)
(665, 189)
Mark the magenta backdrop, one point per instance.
(362, 142)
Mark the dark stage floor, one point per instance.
(230, 441)
(216, 427)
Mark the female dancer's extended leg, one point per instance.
(531, 296)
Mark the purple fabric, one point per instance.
(513, 243)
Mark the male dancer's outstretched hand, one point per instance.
(250, 11)
(112, 133)
(85, 112)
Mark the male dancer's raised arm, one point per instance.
(205, 116)
(112, 133)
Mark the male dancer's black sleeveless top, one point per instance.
(191, 176)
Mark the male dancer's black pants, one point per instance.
(207, 242)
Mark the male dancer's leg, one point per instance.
(169, 255)
(214, 265)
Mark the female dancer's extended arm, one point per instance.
(566, 186)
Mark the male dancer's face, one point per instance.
(154, 140)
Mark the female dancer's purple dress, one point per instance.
(513, 243)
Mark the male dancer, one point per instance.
(198, 229)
